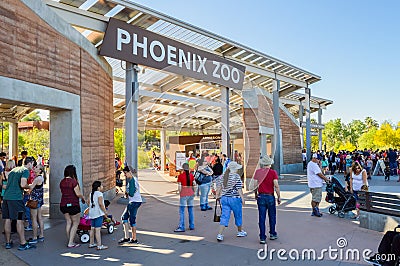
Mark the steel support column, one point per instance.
(163, 149)
(301, 116)
(131, 115)
(320, 130)
(308, 122)
(225, 138)
(277, 126)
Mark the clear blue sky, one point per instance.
(353, 45)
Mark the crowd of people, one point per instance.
(375, 163)
(23, 197)
(226, 177)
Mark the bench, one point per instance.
(379, 211)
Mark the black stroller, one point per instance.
(343, 201)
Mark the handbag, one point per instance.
(32, 204)
(217, 218)
(198, 177)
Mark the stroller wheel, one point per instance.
(332, 210)
(110, 228)
(341, 214)
(85, 238)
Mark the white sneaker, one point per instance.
(241, 234)
(220, 237)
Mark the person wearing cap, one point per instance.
(315, 180)
(130, 213)
(230, 194)
(264, 185)
(186, 186)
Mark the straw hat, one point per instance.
(234, 166)
(266, 160)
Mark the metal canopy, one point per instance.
(175, 102)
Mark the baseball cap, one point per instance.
(315, 155)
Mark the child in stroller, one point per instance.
(84, 225)
(343, 201)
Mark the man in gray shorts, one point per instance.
(315, 180)
(13, 205)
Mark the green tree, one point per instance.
(353, 131)
(371, 123)
(366, 140)
(332, 135)
(36, 142)
(33, 116)
(119, 142)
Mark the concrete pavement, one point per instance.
(158, 217)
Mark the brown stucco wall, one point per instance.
(32, 51)
(263, 116)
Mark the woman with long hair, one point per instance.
(36, 191)
(358, 182)
(69, 205)
(230, 195)
(97, 211)
(186, 192)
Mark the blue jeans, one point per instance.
(27, 210)
(266, 203)
(228, 204)
(393, 167)
(183, 202)
(130, 213)
(204, 191)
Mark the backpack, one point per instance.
(132, 187)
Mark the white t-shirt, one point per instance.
(314, 181)
(96, 212)
(357, 181)
(137, 197)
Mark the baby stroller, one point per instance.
(84, 228)
(343, 201)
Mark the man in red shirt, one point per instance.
(265, 183)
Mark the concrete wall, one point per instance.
(378, 222)
(38, 47)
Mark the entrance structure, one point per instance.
(55, 44)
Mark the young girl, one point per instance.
(97, 211)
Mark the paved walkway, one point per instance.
(158, 217)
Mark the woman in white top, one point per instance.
(97, 211)
(358, 179)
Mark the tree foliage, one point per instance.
(36, 142)
(360, 134)
(34, 116)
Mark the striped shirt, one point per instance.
(234, 184)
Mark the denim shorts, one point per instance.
(97, 222)
(130, 213)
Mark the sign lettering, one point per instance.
(139, 46)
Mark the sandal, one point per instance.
(102, 247)
(74, 246)
(92, 245)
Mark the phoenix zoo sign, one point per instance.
(139, 46)
(341, 252)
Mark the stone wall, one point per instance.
(33, 51)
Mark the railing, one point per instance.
(388, 204)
